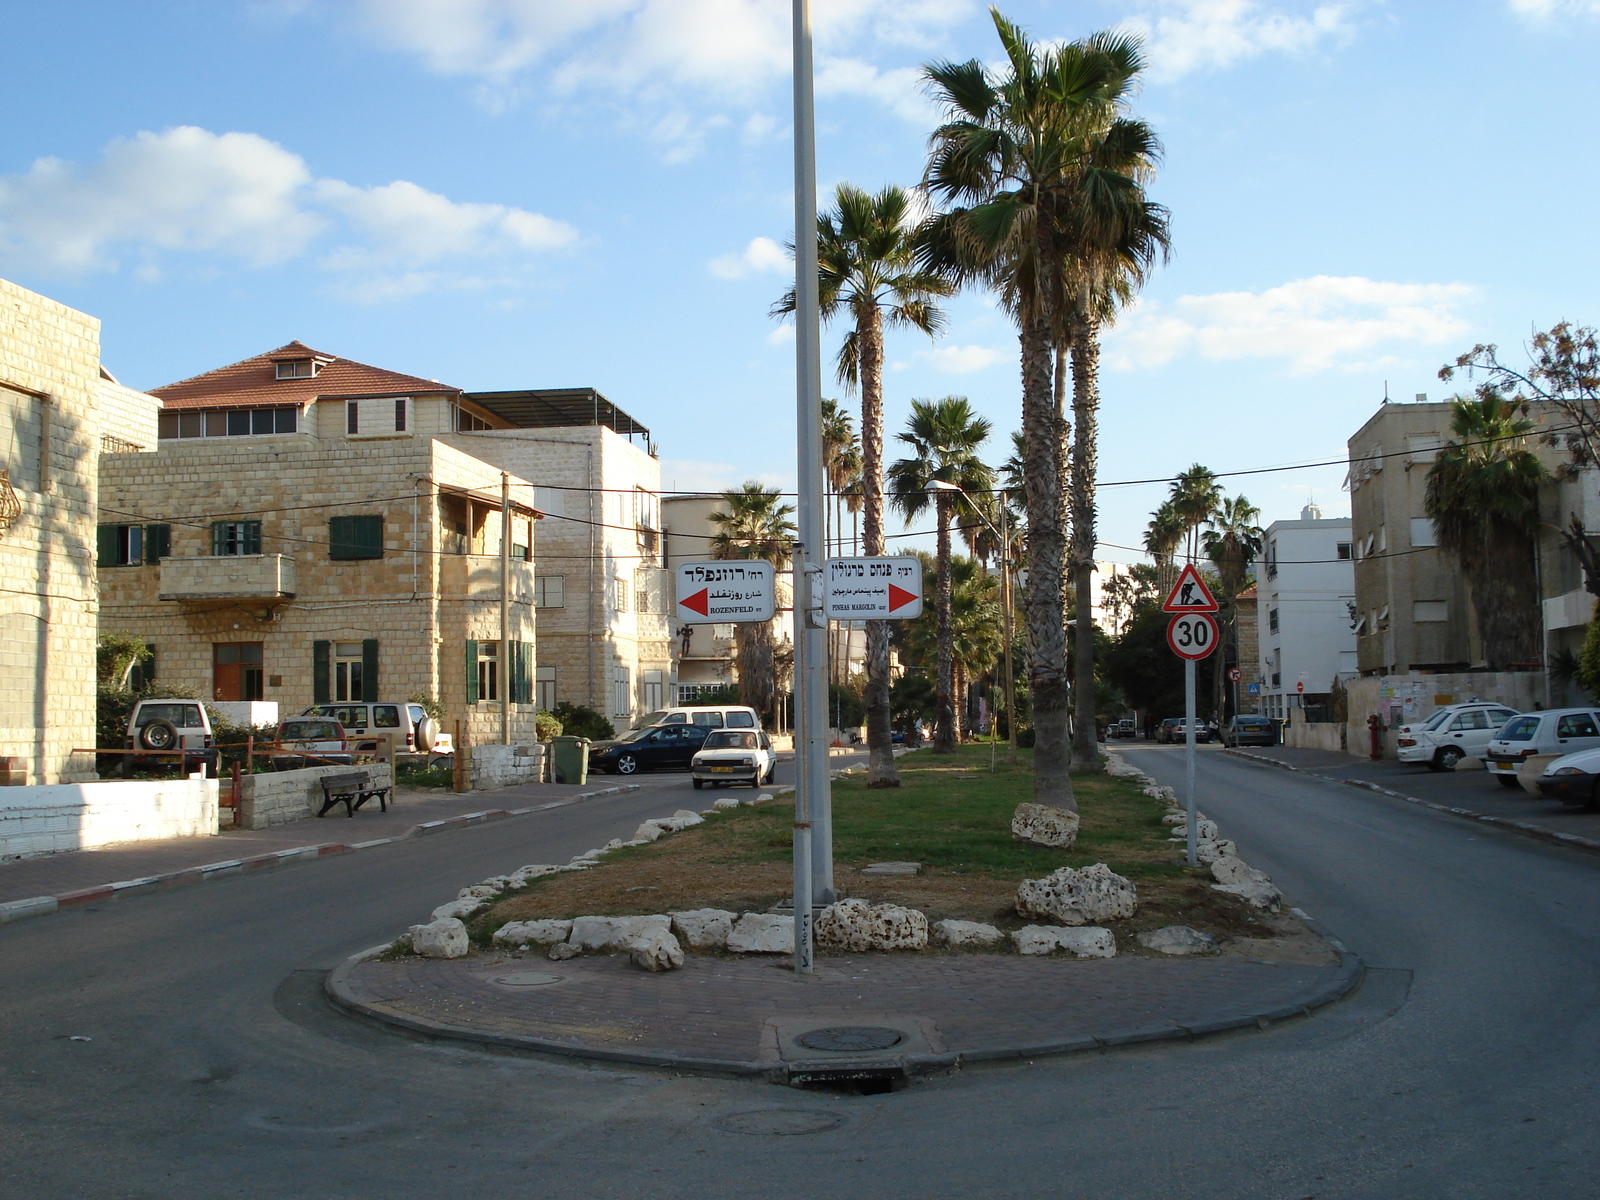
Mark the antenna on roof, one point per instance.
(1386, 391)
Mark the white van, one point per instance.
(1558, 731)
(707, 716)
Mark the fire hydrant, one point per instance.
(1375, 728)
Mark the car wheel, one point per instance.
(627, 764)
(158, 735)
(1447, 758)
(697, 783)
(1509, 781)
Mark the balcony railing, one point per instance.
(228, 577)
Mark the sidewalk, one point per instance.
(82, 876)
(1473, 795)
(743, 1017)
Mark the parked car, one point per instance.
(709, 716)
(171, 726)
(309, 742)
(1451, 734)
(1247, 729)
(1172, 730)
(1573, 779)
(1123, 729)
(734, 756)
(653, 748)
(1562, 731)
(421, 731)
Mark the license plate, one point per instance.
(1504, 766)
(721, 768)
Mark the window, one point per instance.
(399, 416)
(1272, 620)
(1383, 538)
(1342, 550)
(641, 595)
(352, 416)
(132, 545)
(380, 416)
(1422, 532)
(466, 422)
(297, 368)
(1468, 721)
(454, 536)
(549, 591)
(1272, 560)
(621, 691)
(229, 422)
(143, 673)
(1576, 725)
(1422, 447)
(488, 671)
(654, 696)
(1430, 610)
(552, 502)
(741, 720)
(236, 671)
(544, 684)
(355, 537)
(235, 537)
(619, 593)
(347, 672)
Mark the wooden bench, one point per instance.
(351, 790)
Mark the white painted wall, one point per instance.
(1311, 592)
(80, 816)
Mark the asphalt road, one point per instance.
(1464, 1068)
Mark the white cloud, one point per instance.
(761, 255)
(1184, 36)
(783, 335)
(960, 360)
(239, 196)
(1326, 322)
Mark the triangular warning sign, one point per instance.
(1190, 594)
(899, 597)
(700, 602)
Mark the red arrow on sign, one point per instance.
(899, 597)
(700, 602)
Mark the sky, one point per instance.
(542, 193)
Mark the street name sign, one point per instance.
(1190, 594)
(872, 589)
(1192, 635)
(733, 590)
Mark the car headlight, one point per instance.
(1570, 771)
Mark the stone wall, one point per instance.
(1313, 735)
(278, 797)
(494, 767)
(1407, 699)
(80, 816)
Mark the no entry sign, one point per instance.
(711, 593)
(1192, 635)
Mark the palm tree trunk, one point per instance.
(1085, 461)
(944, 717)
(881, 771)
(1064, 455)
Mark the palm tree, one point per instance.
(1161, 541)
(841, 466)
(944, 437)
(1019, 150)
(868, 269)
(754, 525)
(1195, 496)
(1483, 496)
(1232, 543)
(976, 643)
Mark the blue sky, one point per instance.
(537, 193)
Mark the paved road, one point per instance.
(1465, 1068)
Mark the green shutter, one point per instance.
(107, 546)
(319, 672)
(252, 537)
(341, 538)
(369, 669)
(521, 673)
(369, 537)
(472, 671)
(157, 543)
(219, 537)
(355, 537)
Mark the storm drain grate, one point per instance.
(851, 1039)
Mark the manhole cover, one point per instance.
(780, 1122)
(528, 979)
(851, 1037)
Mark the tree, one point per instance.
(841, 467)
(1195, 496)
(1161, 540)
(754, 525)
(1232, 543)
(976, 639)
(868, 270)
(944, 437)
(1024, 157)
(1482, 494)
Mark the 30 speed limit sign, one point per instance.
(1192, 635)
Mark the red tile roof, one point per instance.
(254, 382)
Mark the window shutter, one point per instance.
(472, 671)
(157, 543)
(369, 669)
(517, 672)
(319, 672)
(369, 537)
(341, 538)
(106, 555)
(252, 537)
(219, 537)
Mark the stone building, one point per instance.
(303, 533)
(50, 431)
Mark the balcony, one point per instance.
(477, 577)
(228, 577)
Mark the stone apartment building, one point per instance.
(302, 533)
(1305, 589)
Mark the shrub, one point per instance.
(581, 721)
(546, 726)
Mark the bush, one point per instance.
(546, 726)
(581, 721)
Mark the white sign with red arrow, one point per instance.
(715, 593)
(872, 589)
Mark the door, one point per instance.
(690, 739)
(236, 671)
(1576, 731)
(1470, 732)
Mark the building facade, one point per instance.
(1305, 594)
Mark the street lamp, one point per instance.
(1005, 605)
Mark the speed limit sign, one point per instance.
(1192, 635)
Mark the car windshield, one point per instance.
(309, 730)
(181, 715)
(730, 741)
(1520, 729)
(1250, 721)
(633, 735)
(649, 719)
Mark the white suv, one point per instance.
(1451, 734)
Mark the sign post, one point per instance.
(1192, 634)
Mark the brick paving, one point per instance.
(727, 1010)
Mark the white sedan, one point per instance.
(734, 756)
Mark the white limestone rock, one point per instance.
(532, 933)
(722, 803)
(609, 933)
(654, 949)
(891, 868)
(762, 933)
(444, 938)
(704, 928)
(1090, 941)
(763, 798)
(648, 832)
(564, 950)
(523, 876)
(855, 925)
(460, 910)
(1231, 869)
(1209, 852)
(478, 891)
(1255, 893)
(1077, 897)
(684, 814)
(966, 933)
(1045, 826)
(1177, 939)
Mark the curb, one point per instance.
(40, 906)
(1526, 828)
(1349, 974)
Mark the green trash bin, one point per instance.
(570, 759)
